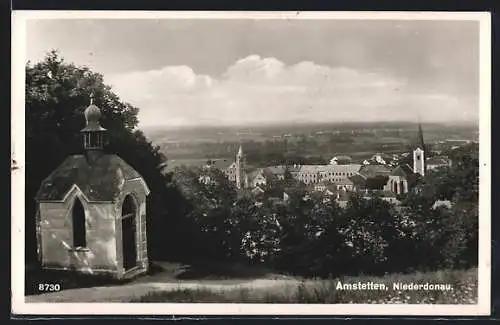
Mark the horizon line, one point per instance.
(306, 123)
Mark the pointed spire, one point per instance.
(420, 136)
(240, 151)
(92, 98)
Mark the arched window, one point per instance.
(402, 186)
(79, 229)
(129, 228)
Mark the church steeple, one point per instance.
(240, 166)
(419, 152)
(420, 137)
(93, 132)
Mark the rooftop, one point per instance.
(403, 171)
(436, 161)
(330, 168)
(374, 170)
(101, 181)
(277, 170)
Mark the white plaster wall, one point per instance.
(57, 239)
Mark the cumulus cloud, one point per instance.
(265, 90)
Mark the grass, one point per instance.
(463, 283)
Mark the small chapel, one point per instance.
(91, 211)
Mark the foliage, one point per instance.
(311, 235)
(262, 231)
(447, 237)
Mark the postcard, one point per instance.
(251, 163)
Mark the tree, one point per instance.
(260, 230)
(370, 230)
(445, 237)
(209, 206)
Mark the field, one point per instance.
(193, 146)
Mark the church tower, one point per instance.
(240, 165)
(419, 153)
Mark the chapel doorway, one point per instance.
(129, 233)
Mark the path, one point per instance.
(126, 293)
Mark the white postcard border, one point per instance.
(20, 307)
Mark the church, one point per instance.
(403, 177)
(247, 176)
(91, 211)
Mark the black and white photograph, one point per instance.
(251, 163)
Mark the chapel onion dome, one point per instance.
(92, 115)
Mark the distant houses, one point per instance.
(340, 160)
(384, 174)
(437, 162)
(332, 179)
(380, 158)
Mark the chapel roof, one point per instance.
(100, 181)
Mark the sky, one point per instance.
(193, 72)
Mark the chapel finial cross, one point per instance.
(91, 98)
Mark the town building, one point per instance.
(380, 158)
(437, 162)
(91, 211)
(340, 160)
(311, 174)
(245, 176)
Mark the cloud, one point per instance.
(265, 90)
(150, 84)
